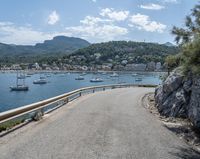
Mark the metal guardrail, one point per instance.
(57, 101)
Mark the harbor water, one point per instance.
(59, 83)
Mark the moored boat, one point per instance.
(21, 76)
(27, 75)
(138, 79)
(114, 75)
(79, 78)
(42, 80)
(83, 74)
(96, 80)
(48, 75)
(30, 73)
(19, 86)
(134, 74)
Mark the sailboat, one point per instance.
(19, 86)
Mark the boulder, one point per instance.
(173, 105)
(172, 83)
(170, 97)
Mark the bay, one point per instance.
(62, 83)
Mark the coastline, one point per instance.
(76, 71)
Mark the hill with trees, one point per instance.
(117, 51)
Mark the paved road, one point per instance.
(110, 124)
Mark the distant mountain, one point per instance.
(168, 44)
(62, 44)
(58, 45)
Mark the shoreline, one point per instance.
(74, 71)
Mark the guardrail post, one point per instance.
(80, 93)
(93, 90)
(38, 115)
(104, 89)
(66, 100)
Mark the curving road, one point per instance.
(104, 125)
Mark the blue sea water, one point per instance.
(59, 84)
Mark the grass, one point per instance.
(10, 124)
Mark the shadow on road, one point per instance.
(182, 152)
(186, 153)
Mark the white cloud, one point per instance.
(168, 1)
(5, 24)
(114, 15)
(152, 6)
(100, 33)
(97, 29)
(23, 35)
(94, 0)
(91, 28)
(53, 18)
(143, 22)
(90, 20)
(106, 27)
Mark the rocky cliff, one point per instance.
(179, 96)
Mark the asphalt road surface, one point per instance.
(105, 125)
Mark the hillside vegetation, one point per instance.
(117, 51)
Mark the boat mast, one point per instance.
(24, 78)
(17, 78)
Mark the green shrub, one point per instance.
(10, 124)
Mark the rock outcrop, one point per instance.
(179, 96)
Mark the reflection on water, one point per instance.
(62, 83)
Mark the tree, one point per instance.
(192, 30)
(172, 62)
(189, 40)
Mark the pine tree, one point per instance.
(189, 40)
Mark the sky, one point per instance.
(27, 22)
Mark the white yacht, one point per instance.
(41, 80)
(83, 73)
(134, 74)
(79, 78)
(114, 75)
(48, 75)
(96, 79)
